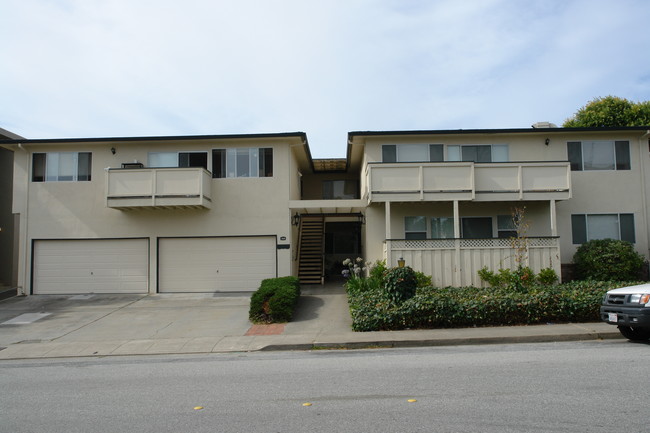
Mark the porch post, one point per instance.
(388, 234)
(456, 220)
(553, 218)
(389, 252)
(457, 272)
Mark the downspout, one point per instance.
(24, 222)
(644, 189)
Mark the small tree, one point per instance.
(520, 242)
(523, 276)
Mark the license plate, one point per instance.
(612, 317)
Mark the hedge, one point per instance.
(450, 307)
(275, 300)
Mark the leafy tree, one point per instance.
(610, 111)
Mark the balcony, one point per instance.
(158, 188)
(445, 181)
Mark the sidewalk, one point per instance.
(107, 325)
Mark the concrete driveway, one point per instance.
(98, 324)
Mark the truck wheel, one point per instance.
(635, 334)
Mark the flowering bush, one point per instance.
(357, 274)
(355, 269)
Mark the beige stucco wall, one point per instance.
(77, 210)
(606, 191)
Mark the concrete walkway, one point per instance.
(48, 326)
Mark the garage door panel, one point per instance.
(91, 266)
(215, 264)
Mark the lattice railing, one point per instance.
(435, 244)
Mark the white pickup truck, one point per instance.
(629, 309)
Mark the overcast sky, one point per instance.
(105, 68)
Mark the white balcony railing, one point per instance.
(186, 187)
(443, 181)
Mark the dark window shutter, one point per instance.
(627, 227)
(266, 162)
(84, 166)
(389, 153)
(622, 155)
(574, 152)
(38, 167)
(579, 229)
(218, 163)
(436, 153)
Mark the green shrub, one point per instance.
(275, 300)
(362, 284)
(423, 280)
(547, 276)
(577, 301)
(518, 280)
(400, 284)
(607, 259)
(378, 271)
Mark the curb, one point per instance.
(388, 344)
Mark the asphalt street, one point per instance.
(596, 386)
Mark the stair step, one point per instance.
(310, 261)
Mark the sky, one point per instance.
(124, 68)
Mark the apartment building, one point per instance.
(221, 212)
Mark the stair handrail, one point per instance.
(322, 252)
(297, 255)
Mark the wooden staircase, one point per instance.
(312, 242)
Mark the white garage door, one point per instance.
(91, 266)
(215, 264)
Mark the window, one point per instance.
(599, 155)
(506, 227)
(178, 159)
(242, 162)
(442, 228)
(416, 152)
(602, 226)
(340, 189)
(476, 227)
(478, 152)
(415, 227)
(61, 166)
